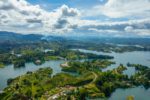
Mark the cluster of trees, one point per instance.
(103, 86)
(138, 67)
(142, 76)
(73, 55)
(5, 58)
(18, 61)
(111, 80)
(29, 86)
(81, 67)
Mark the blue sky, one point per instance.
(116, 18)
(72, 3)
(50, 5)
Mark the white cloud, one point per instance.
(141, 23)
(123, 8)
(21, 16)
(128, 28)
(140, 32)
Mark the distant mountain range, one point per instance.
(16, 37)
(11, 37)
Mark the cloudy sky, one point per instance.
(124, 18)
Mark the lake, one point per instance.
(136, 57)
(139, 93)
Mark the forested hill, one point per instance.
(16, 37)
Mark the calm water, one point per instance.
(139, 93)
(11, 72)
(137, 57)
(140, 57)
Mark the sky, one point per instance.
(116, 18)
